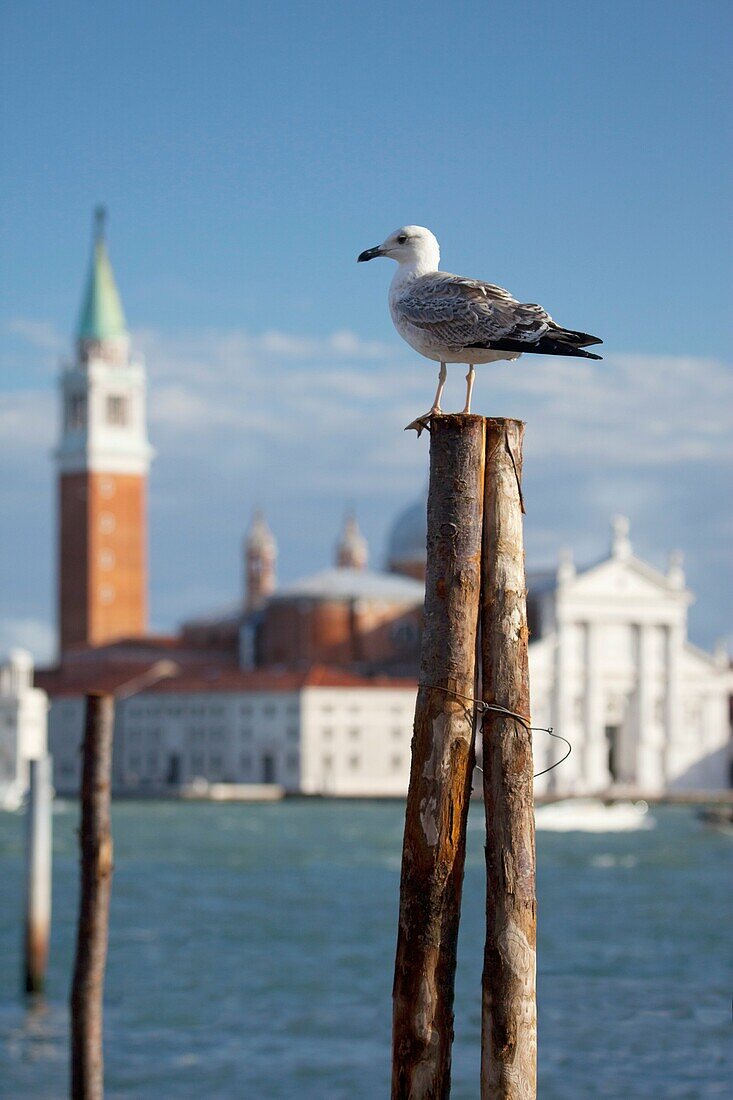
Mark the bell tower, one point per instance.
(102, 461)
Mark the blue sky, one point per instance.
(578, 153)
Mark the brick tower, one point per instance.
(102, 461)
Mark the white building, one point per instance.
(23, 718)
(316, 732)
(612, 670)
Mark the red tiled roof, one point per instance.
(78, 680)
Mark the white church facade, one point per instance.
(612, 670)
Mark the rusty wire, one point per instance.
(481, 707)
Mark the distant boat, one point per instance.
(591, 815)
(718, 817)
(11, 797)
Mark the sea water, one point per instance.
(252, 949)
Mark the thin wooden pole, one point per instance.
(509, 1011)
(95, 838)
(38, 875)
(442, 764)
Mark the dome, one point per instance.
(406, 548)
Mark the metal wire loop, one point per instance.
(481, 707)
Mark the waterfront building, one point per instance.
(102, 462)
(324, 731)
(23, 718)
(611, 669)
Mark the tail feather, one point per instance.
(547, 345)
(580, 339)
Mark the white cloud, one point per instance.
(302, 425)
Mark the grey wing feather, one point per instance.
(463, 312)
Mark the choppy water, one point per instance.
(252, 948)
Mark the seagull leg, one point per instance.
(470, 379)
(424, 421)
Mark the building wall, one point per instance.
(333, 741)
(356, 741)
(300, 632)
(102, 557)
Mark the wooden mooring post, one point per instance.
(95, 838)
(38, 874)
(509, 1011)
(442, 764)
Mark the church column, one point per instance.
(596, 776)
(567, 777)
(674, 718)
(649, 773)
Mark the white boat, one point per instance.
(11, 797)
(591, 815)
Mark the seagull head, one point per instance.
(412, 244)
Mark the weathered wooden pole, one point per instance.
(95, 838)
(509, 1010)
(38, 875)
(442, 764)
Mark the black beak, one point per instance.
(369, 255)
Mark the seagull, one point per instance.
(452, 319)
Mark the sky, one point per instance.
(577, 153)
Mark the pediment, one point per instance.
(630, 579)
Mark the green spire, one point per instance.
(102, 316)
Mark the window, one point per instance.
(404, 634)
(292, 761)
(76, 410)
(396, 733)
(246, 733)
(396, 762)
(354, 762)
(293, 733)
(246, 761)
(353, 734)
(327, 733)
(269, 709)
(107, 593)
(116, 410)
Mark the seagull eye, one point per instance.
(402, 239)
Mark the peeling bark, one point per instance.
(509, 1012)
(442, 764)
